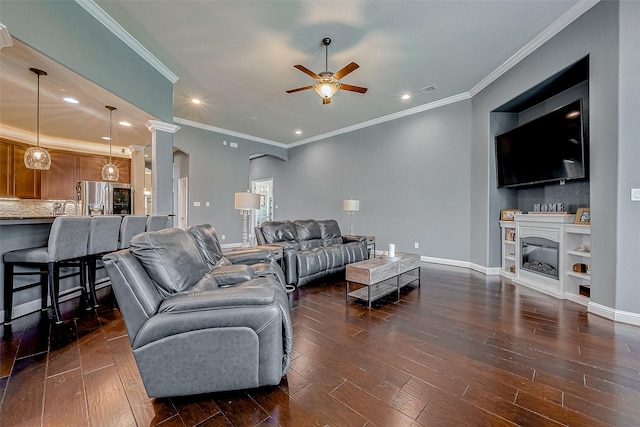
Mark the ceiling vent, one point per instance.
(428, 89)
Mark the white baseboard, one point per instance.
(613, 314)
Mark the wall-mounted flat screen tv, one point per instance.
(549, 148)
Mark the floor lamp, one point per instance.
(351, 206)
(246, 202)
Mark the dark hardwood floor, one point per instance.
(461, 350)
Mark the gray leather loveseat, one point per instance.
(195, 328)
(312, 248)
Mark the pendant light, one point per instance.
(110, 171)
(37, 157)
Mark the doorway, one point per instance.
(264, 188)
(183, 202)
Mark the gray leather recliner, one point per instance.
(195, 331)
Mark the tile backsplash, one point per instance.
(30, 207)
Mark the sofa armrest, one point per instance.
(249, 256)
(227, 275)
(348, 238)
(219, 298)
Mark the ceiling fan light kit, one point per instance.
(327, 83)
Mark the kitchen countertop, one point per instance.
(23, 220)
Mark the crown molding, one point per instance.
(63, 144)
(156, 125)
(561, 23)
(229, 132)
(110, 23)
(394, 116)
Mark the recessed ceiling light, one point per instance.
(406, 96)
(106, 138)
(71, 100)
(298, 132)
(196, 101)
(125, 124)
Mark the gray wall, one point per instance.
(594, 34)
(68, 34)
(411, 176)
(216, 173)
(628, 213)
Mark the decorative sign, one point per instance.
(549, 207)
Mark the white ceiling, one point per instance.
(238, 57)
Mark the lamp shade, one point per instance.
(351, 205)
(246, 201)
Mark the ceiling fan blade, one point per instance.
(346, 70)
(351, 88)
(299, 89)
(307, 71)
(326, 101)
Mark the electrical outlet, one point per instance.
(196, 203)
(207, 204)
(416, 245)
(635, 194)
(223, 237)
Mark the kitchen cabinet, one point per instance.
(59, 182)
(90, 168)
(6, 166)
(26, 182)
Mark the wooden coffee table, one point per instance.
(382, 276)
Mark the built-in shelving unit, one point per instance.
(508, 233)
(578, 251)
(573, 281)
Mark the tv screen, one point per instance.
(549, 148)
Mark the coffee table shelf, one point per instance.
(384, 288)
(382, 276)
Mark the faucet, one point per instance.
(57, 208)
(75, 207)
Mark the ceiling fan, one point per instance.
(327, 83)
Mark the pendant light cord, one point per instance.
(38, 115)
(110, 119)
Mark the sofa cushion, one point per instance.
(310, 244)
(311, 262)
(278, 231)
(329, 228)
(170, 257)
(307, 229)
(335, 256)
(332, 241)
(208, 243)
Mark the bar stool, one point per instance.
(67, 247)
(131, 226)
(157, 222)
(104, 232)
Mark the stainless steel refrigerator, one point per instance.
(104, 198)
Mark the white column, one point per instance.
(137, 178)
(162, 166)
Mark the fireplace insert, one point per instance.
(540, 256)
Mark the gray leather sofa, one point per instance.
(312, 248)
(196, 329)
